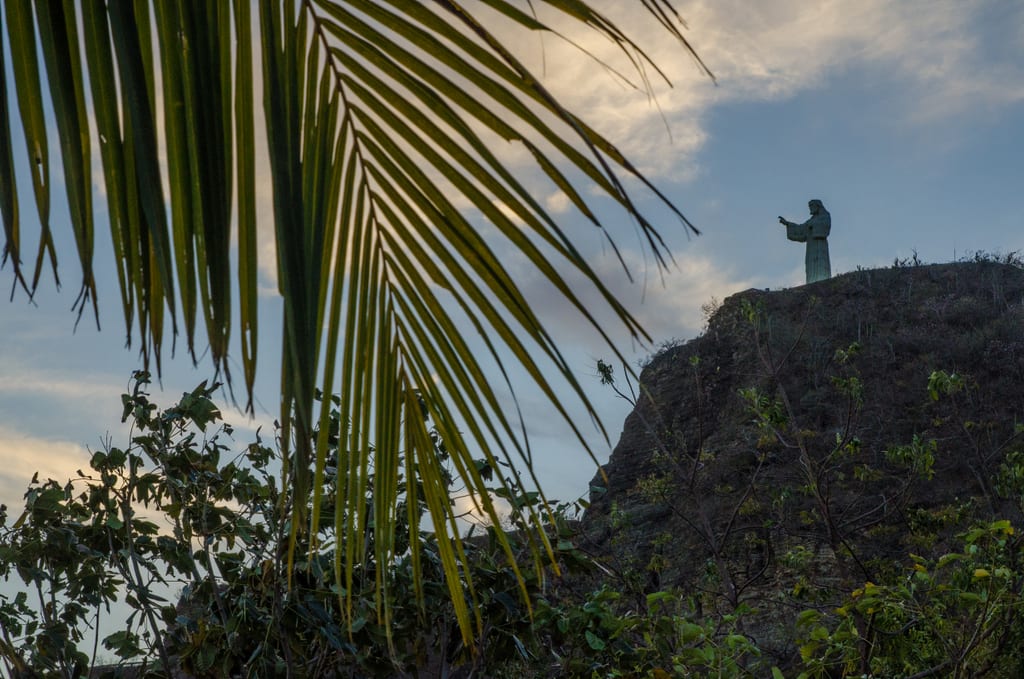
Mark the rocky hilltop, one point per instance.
(811, 439)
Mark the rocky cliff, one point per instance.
(812, 438)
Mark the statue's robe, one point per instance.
(814, 232)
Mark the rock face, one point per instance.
(812, 438)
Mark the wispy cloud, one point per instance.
(939, 50)
(667, 304)
(90, 390)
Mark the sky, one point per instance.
(906, 118)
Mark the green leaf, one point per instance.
(594, 641)
(25, 65)
(246, 199)
(690, 632)
(59, 40)
(8, 189)
(132, 69)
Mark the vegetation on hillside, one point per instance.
(180, 527)
(817, 439)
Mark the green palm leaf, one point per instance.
(379, 120)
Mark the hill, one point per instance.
(812, 439)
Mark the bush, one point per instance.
(195, 544)
(956, 616)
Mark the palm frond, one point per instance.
(380, 120)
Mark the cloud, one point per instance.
(88, 390)
(667, 304)
(940, 52)
(558, 203)
(670, 305)
(24, 454)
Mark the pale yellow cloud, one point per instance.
(24, 455)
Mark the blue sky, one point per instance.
(906, 118)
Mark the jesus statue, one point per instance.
(814, 232)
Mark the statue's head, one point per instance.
(815, 205)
